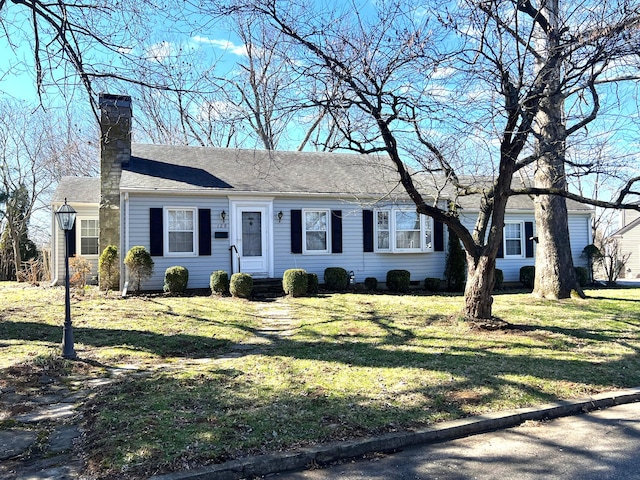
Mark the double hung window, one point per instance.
(315, 231)
(180, 234)
(402, 231)
(89, 237)
(513, 239)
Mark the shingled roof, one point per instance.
(201, 169)
(184, 169)
(77, 190)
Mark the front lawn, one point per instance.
(217, 378)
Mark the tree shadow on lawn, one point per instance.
(236, 413)
(376, 352)
(180, 345)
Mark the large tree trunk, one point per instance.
(480, 281)
(555, 276)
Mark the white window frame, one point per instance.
(522, 240)
(326, 250)
(79, 221)
(426, 226)
(166, 231)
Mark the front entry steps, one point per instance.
(267, 287)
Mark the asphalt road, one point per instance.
(600, 445)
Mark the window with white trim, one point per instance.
(513, 239)
(89, 236)
(180, 231)
(403, 231)
(315, 231)
(383, 228)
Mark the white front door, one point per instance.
(251, 227)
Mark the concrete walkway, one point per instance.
(44, 424)
(37, 441)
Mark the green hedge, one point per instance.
(336, 278)
(295, 282)
(175, 280)
(398, 281)
(528, 276)
(108, 270)
(499, 277)
(219, 282)
(140, 264)
(371, 283)
(432, 284)
(582, 274)
(241, 285)
(312, 283)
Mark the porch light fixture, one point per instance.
(280, 215)
(223, 215)
(66, 217)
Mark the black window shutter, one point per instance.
(367, 230)
(204, 231)
(72, 240)
(438, 236)
(156, 233)
(296, 231)
(528, 239)
(336, 231)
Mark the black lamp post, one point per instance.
(66, 216)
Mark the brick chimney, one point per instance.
(115, 151)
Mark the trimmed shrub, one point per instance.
(295, 282)
(336, 278)
(371, 283)
(455, 270)
(219, 282)
(175, 280)
(241, 285)
(432, 284)
(582, 274)
(528, 276)
(108, 268)
(140, 265)
(312, 283)
(499, 279)
(398, 281)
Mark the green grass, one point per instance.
(351, 365)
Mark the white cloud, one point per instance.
(159, 51)
(225, 45)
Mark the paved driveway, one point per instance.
(600, 445)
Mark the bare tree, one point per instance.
(77, 44)
(254, 104)
(416, 91)
(613, 260)
(35, 152)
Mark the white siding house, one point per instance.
(263, 212)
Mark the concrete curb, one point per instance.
(324, 454)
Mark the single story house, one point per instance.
(264, 212)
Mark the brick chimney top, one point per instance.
(110, 100)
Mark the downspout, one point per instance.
(54, 248)
(124, 241)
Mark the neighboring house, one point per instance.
(628, 238)
(264, 212)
